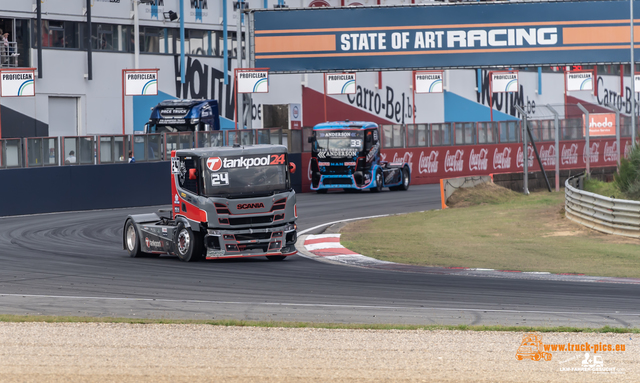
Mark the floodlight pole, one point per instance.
(586, 137)
(136, 35)
(525, 151)
(617, 112)
(556, 122)
(633, 73)
(240, 102)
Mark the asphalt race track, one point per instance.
(73, 264)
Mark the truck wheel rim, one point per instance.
(183, 241)
(406, 179)
(378, 180)
(131, 237)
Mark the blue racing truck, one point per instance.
(184, 116)
(346, 155)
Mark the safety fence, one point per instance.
(111, 149)
(604, 214)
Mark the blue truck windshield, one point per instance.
(339, 143)
(245, 175)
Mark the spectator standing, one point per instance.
(71, 158)
(132, 159)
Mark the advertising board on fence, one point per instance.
(442, 35)
(428, 82)
(19, 82)
(579, 81)
(430, 164)
(600, 124)
(140, 82)
(252, 81)
(341, 83)
(503, 82)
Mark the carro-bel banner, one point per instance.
(17, 82)
(442, 35)
(600, 124)
(140, 82)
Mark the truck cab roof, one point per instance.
(242, 150)
(346, 125)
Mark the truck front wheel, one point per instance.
(378, 187)
(131, 239)
(189, 245)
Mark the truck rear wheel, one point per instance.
(132, 239)
(378, 187)
(189, 245)
(405, 180)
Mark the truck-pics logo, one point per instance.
(428, 164)
(478, 161)
(245, 206)
(569, 156)
(502, 160)
(454, 162)
(532, 348)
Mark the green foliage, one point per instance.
(628, 177)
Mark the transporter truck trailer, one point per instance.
(346, 154)
(227, 202)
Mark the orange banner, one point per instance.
(601, 124)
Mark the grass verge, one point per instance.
(607, 189)
(241, 323)
(511, 232)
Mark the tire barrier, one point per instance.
(604, 214)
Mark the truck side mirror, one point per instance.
(292, 167)
(310, 139)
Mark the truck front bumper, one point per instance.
(278, 240)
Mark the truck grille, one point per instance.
(252, 236)
(337, 181)
(250, 220)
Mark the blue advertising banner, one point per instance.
(449, 35)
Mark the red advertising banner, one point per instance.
(429, 165)
(600, 124)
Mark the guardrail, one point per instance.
(604, 214)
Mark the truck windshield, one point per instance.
(171, 128)
(246, 175)
(336, 143)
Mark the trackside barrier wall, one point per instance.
(604, 214)
(72, 188)
(450, 185)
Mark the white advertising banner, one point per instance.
(429, 82)
(579, 81)
(341, 83)
(253, 81)
(636, 82)
(140, 82)
(502, 82)
(17, 82)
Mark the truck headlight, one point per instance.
(214, 232)
(290, 227)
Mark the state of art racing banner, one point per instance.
(443, 35)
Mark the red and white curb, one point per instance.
(328, 247)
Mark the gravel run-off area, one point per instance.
(105, 352)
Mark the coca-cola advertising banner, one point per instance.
(429, 165)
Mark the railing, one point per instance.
(110, 149)
(604, 214)
(9, 54)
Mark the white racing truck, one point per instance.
(226, 202)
